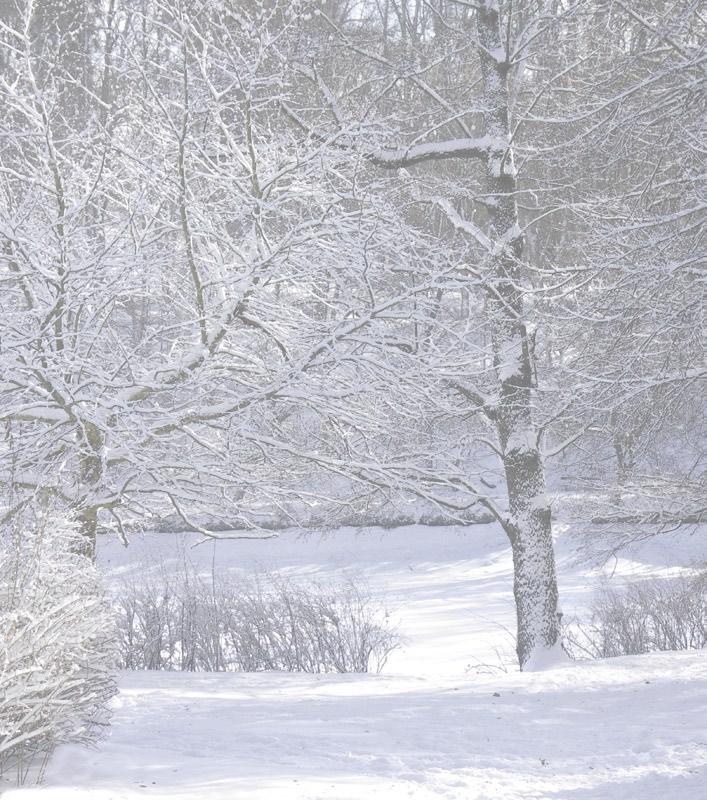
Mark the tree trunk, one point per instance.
(88, 526)
(623, 442)
(529, 526)
(90, 476)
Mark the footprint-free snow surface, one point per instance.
(442, 721)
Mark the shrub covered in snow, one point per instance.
(644, 617)
(184, 621)
(56, 644)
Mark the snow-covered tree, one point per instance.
(496, 122)
(477, 207)
(186, 278)
(57, 639)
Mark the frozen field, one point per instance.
(442, 721)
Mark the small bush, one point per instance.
(644, 617)
(187, 622)
(56, 645)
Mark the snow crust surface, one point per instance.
(443, 721)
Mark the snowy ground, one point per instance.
(437, 723)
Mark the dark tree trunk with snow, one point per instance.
(528, 522)
(529, 526)
(90, 476)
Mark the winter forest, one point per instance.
(352, 399)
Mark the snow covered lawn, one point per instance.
(625, 729)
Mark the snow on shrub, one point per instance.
(644, 617)
(57, 645)
(187, 622)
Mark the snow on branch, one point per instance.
(409, 155)
(394, 158)
(465, 225)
